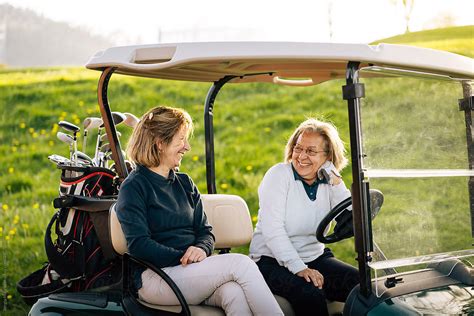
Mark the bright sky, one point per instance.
(144, 21)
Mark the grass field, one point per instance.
(252, 124)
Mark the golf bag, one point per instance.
(77, 241)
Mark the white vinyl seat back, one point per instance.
(230, 219)
(117, 237)
(228, 215)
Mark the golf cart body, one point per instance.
(416, 147)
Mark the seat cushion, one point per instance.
(334, 308)
(199, 310)
(285, 306)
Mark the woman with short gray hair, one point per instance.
(294, 196)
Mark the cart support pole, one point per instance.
(209, 132)
(109, 125)
(466, 104)
(352, 92)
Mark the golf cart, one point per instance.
(411, 136)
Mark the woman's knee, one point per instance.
(241, 260)
(241, 265)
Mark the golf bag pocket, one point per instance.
(41, 283)
(77, 242)
(77, 253)
(86, 181)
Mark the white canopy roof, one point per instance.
(315, 62)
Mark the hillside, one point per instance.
(252, 124)
(459, 40)
(33, 40)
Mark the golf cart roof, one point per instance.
(310, 63)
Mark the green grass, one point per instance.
(252, 124)
(459, 39)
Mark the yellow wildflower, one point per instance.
(9, 296)
(22, 125)
(195, 158)
(36, 205)
(239, 129)
(224, 186)
(43, 131)
(25, 226)
(11, 170)
(14, 149)
(81, 103)
(16, 219)
(5, 207)
(7, 237)
(63, 114)
(35, 135)
(31, 130)
(51, 143)
(249, 167)
(267, 129)
(12, 232)
(254, 218)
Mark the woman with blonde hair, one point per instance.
(161, 214)
(294, 196)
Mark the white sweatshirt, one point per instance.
(287, 218)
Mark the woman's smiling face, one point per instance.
(309, 154)
(173, 153)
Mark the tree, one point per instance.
(408, 8)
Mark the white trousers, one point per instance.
(230, 281)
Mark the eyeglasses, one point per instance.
(309, 151)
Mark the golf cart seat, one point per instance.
(232, 227)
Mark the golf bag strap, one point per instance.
(83, 203)
(100, 220)
(58, 260)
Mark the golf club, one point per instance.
(130, 120)
(68, 139)
(103, 137)
(57, 159)
(74, 129)
(117, 118)
(89, 123)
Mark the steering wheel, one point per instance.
(344, 228)
(326, 221)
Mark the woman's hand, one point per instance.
(311, 275)
(192, 255)
(330, 173)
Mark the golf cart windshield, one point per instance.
(415, 151)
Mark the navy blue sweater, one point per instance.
(161, 217)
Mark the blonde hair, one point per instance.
(158, 124)
(334, 146)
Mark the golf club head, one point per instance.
(92, 122)
(104, 136)
(68, 139)
(83, 157)
(56, 159)
(130, 166)
(105, 148)
(130, 120)
(69, 126)
(117, 118)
